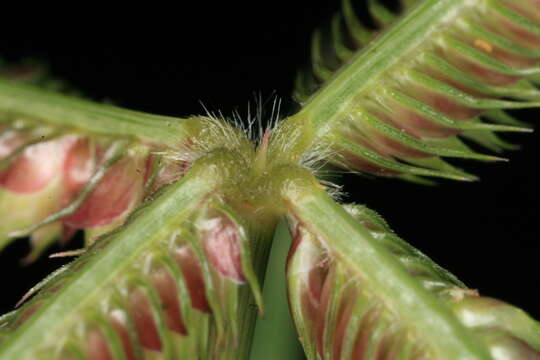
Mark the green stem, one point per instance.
(275, 336)
(19, 100)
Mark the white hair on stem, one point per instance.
(233, 132)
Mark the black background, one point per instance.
(166, 58)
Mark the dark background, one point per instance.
(165, 59)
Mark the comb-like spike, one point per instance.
(451, 65)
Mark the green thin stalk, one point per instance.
(275, 336)
(27, 102)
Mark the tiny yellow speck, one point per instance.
(483, 45)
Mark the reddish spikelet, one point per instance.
(221, 243)
(121, 329)
(192, 271)
(116, 194)
(168, 294)
(98, 348)
(35, 168)
(141, 311)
